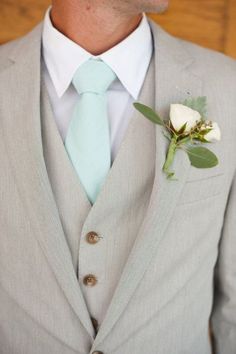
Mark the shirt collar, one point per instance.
(129, 59)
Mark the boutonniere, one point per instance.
(187, 128)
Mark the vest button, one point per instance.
(92, 237)
(90, 280)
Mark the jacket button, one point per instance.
(92, 237)
(90, 280)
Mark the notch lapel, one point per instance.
(20, 117)
(173, 83)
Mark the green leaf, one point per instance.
(201, 157)
(149, 113)
(205, 131)
(198, 104)
(201, 138)
(182, 129)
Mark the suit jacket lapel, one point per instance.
(22, 134)
(173, 83)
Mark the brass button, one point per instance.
(90, 280)
(92, 237)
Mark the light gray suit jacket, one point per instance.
(181, 273)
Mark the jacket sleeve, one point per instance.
(223, 319)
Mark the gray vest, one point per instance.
(119, 209)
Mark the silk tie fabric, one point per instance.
(88, 137)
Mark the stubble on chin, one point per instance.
(155, 6)
(125, 7)
(138, 6)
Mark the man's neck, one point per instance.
(96, 29)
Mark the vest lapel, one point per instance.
(173, 83)
(20, 119)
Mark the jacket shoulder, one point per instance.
(19, 47)
(209, 62)
(5, 53)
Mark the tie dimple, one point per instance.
(88, 137)
(93, 76)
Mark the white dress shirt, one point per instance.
(129, 59)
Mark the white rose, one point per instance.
(214, 134)
(180, 114)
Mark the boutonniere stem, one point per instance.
(170, 157)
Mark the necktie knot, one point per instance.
(93, 76)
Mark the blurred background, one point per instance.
(211, 23)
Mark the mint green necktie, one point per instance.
(88, 138)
